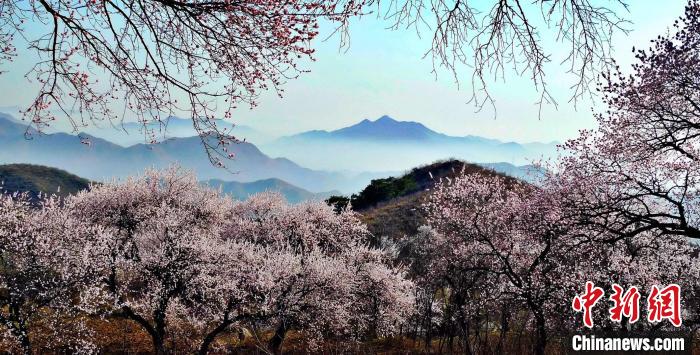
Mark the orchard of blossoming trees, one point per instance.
(183, 263)
(190, 269)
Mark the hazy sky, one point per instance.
(384, 72)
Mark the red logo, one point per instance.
(625, 304)
(586, 301)
(662, 303)
(665, 304)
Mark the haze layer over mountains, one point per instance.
(316, 161)
(388, 144)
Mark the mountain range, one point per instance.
(99, 159)
(389, 144)
(36, 180)
(130, 133)
(383, 129)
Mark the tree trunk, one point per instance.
(467, 345)
(159, 328)
(159, 345)
(18, 326)
(156, 332)
(505, 321)
(204, 348)
(275, 343)
(429, 326)
(541, 342)
(24, 341)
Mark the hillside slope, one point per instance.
(391, 207)
(35, 179)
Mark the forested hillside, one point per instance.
(36, 179)
(391, 207)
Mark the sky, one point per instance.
(384, 72)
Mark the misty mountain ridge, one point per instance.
(127, 134)
(384, 128)
(100, 160)
(387, 128)
(175, 127)
(38, 180)
(389, 144)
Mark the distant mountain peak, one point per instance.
(385, 118)
(385, 128)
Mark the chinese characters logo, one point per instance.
(662, 304)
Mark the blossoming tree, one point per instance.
(332, 282)
(40, 274)
(639, 172)
(510, 243)
(157, 250)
